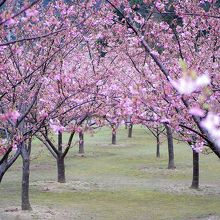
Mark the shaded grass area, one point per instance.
(129, 182)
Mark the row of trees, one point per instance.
(108, 61)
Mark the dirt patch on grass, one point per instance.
(51, 186)
(94, 154)
(38, 212)
(117, 145)
(206, 217)
(182, 188)
(179, 186)
(164, 171)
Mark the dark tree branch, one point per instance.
(31, 38)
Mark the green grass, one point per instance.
(128, 181)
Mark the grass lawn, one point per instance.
(121, 182)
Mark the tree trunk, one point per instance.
(113, 136)
(60, 160)
(2, 170)
(81, 143)
(130, 130)
(25, 203)
(61, 170)
(4, 164)
(158, 146)
(170, 147)
(195, 180)
(126, 125)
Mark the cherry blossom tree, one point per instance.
(29, 57)
(154, 61)
(187, 35)
(168, 31)
(156, 132)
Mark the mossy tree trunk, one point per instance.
(195, 179)
(61, 178)
(25, 154)
(114, 135)
(130, 130)
(158, 146)
(171, 164)
(81, 143)
(60, 160)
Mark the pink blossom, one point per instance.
(57, 77)
(160, 5)
(188, 85)
(127, 106)
(198, 147)
(133, 90)
(10, 115)
(165, 120)
(3, 150)
(211, 123)
(197, 111)
(11, 22)
(42, 115)
(14, 147)
(14, 115)
(56, 127)
(31, 12)
(99, 36)
(3, 117)
(78, 129)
